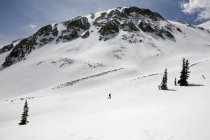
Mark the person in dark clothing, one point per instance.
(110, 96)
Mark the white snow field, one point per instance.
(80, 110)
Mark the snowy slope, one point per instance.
(205, 25)
(67, 84)
(137, 110)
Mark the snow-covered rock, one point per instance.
(108, 24)
(205, 25)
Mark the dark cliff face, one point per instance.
(74, 29)
(108, 24)
(109, 30)
(78, 23)
(136, 12)
(19, 51)
(133, 19)
(6, 48)
(43, 36)
(161, 32)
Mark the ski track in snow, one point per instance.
(194, 64)
(86, 78)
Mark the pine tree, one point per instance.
(175, 83)
(184, 73)
(24, 116)
(187, 70)
(163, 85)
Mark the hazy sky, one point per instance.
(20, 18)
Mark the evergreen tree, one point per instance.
(24, 116)
(163, 85)
(187, 70)
(175, 83)
(184, 73)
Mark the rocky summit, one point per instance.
(108, 24)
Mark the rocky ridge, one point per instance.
(108, 24)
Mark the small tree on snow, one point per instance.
(163, 85)
(184, 73)
(175, 83)
(24, 116)
(187, 71)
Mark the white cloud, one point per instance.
(199, 7)
(32, 26)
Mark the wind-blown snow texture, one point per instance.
(67, 70)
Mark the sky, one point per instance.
(21, 18)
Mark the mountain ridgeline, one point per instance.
(108, 25)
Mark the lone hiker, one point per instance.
(110, 96)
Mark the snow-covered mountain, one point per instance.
(67, 69)
(117, 38)
(107, 24)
